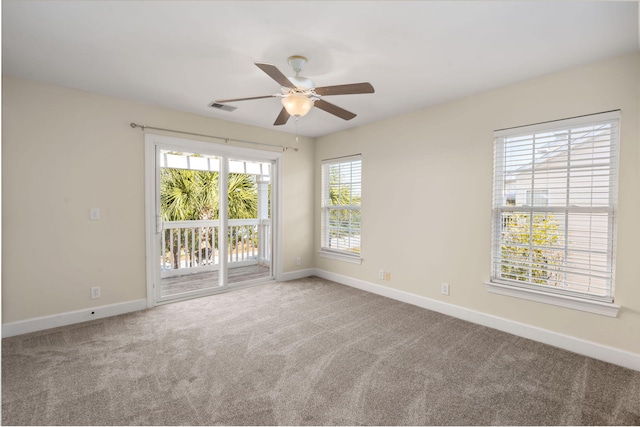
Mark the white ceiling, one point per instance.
(185, 54)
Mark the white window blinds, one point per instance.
(554, 206)
(341, 197)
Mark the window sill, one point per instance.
(354, 259)
(597, 307)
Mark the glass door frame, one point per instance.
(153, 145)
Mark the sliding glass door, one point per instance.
(210, 224)
(249, 221)
(189, 199)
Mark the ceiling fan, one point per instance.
(299, 94)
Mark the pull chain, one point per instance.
(297, 140)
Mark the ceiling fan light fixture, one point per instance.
(297, 104)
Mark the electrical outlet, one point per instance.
(445, 289)
(387, 275)
(298, 261)
(95, 292)
(381, 274)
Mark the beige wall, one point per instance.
(65, 151)
(426, 196)
(427, 184)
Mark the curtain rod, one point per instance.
(226, 140)
(341, 157)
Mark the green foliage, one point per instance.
(188, 195)
(193, 195)
(340, 194)
(243, 196)
(345, 225)
(533, 248)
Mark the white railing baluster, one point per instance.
(242, 242)
(231, 243)
(245, 232)
(214, 242)
(193, 249)
(237, 237)
(206, 243)
(234, 233)
(178, 248)
(205, 249)
(254, 232)
(199, 246)
(250, 237)
(172, 256)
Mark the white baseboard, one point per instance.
(297, 274)
(566, 342)
(71, 317)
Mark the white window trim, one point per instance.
(604, 308)
(591, 306)
(340, 256)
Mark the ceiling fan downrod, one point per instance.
(297, 62)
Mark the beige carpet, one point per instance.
(303, 352)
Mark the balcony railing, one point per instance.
(193, 246)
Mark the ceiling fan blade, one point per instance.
(283, 117)
(334, 109)
(348, 89)
(275, 74)
(222, 101)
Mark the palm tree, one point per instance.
(194, 195)
(243, 196)
(188, 194)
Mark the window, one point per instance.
(341, 198)
(554, 207)
(540, 197)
